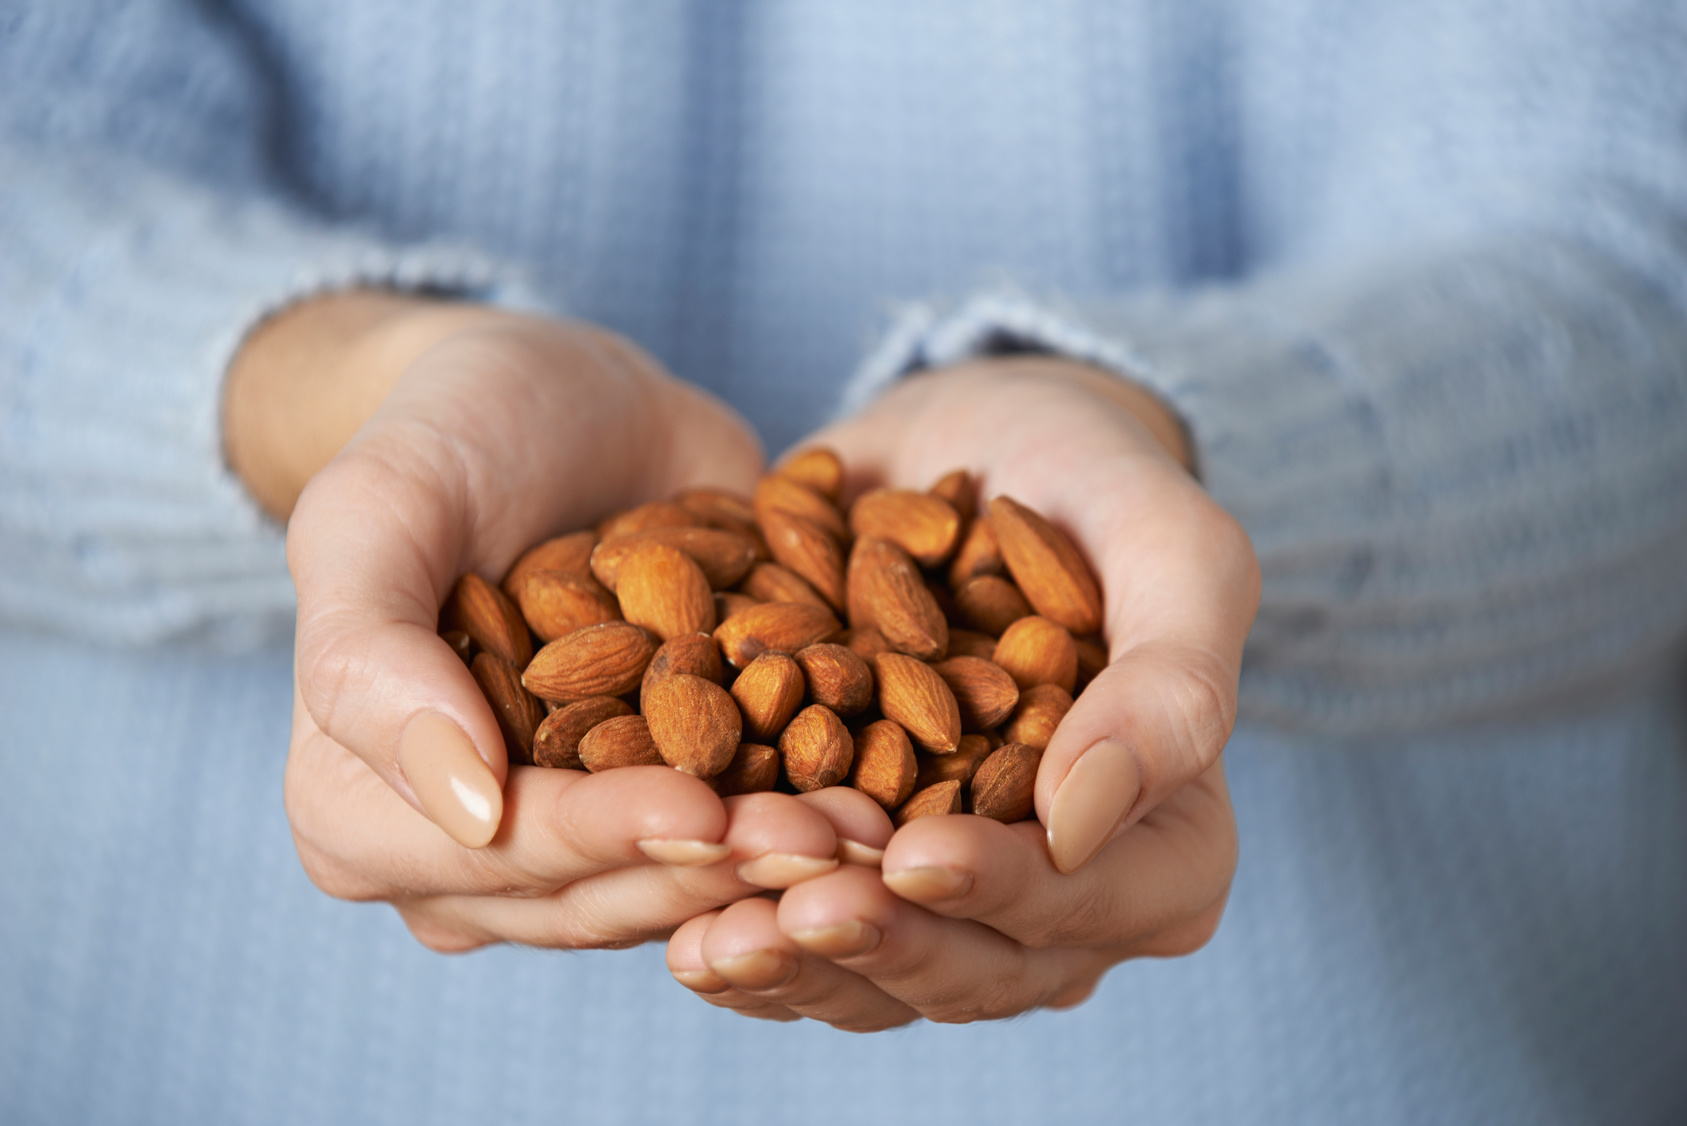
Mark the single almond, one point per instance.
(725, 557)
(886, 591)
(694, 654)
(885, 766)
(1035, 650)
(694, 722)
(938, 798)
(754, 769)
(777, 493)
(956, 487)
(958, 767)
(601, 660)
(816, 749)
(990, 603)
(784, 627)
(571, 553)
(730, 602)
(925, 526)
(461, 644)
(769, 582)
(971, 643)
(984, 691)
(557, 741)
(817, 467)
(836, 677)
(911, 693)
(1047, 566)
(517, 712)
(769, 691)
(1006, 783)
(809, 551)
(656, 514)
(664, 590)
(619, 741)
(556, 603)
(979, 554)
(719, 508)
(865, 642)
(1092, 658)
(480, 610)
(1041, 708)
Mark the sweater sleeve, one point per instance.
(144, 236)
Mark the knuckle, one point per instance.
(1201, 711)
(1089, 916)
(334, 878)
(439, 937)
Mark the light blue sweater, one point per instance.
(1415, 274)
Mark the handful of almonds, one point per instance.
(913, 647)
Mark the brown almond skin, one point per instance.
(817, 749)
(617, 742)
(887, 592)
(730, 602)
(695, 724)
(990, 603)
(885, 766)
(1006, 782)
(818, 467)
(971, 643)
(694, 654)
(784, 627)
(836, 677)
(656, 514)
(984, 691)
(956, 487)
(461, 644)
(664, 590)
(778, 493)
(938, 798)
(556, 603)
(865, 642)
(1092, 658)
(958, 767)
(925, 526)
(601, 660)
(482, 611)
(754, 769)
(1047, 566)
(571, 553)
(1041, 708)
(769, 691)
(517, 712)
(726, 557)
(911, 693)
(809, 551)
(719, 508)
(769, 582)
(556, 744)
(1036, 650)
(979, 554)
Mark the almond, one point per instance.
(991, 603)
(725, 557)
(557, 741)
(694, 654)
(1047, 566)
(971, 643)
(980, 554)
(809, 551)
(754, 769)
(836, 677)
(461, 644)
(865, 642)
(517, 712)
(1092, 658)
(938, 798)
(729, 602)
(887, 592)
(1041, 708)
(984, 691)
(656, 514)
(1006, 782)
(784, 627)
(664, 590)
(959, 767)
(556, 603)
(571, 553)
(719, 508)
(924, 526)
(769, 691)
(769, 582)
(816, 748)
(884, 766)
(775, 493)
(694, 722)
(601, 660)
(480, 610)
(914, 695)
(958, 489)
(817, 467)
(619, 741)
(1035, 650)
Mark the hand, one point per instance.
(972, 919)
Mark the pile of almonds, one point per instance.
(912, 647)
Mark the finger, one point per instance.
(685, 962)
(862, 826)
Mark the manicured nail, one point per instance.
(854, 852)
(783, 869)
(701, 981)
(928, 885)
(458, 791)
(843, 940)
(685, 854)
(759, 969)
(1097, 793)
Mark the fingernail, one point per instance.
(854, 852)
(458, 791)
(843, 940)
(684, 854)
(759, 969)
(783, 869)
(927, 885)
(701, 981)
(1101, 787)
